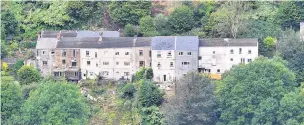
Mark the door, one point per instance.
(165, 78)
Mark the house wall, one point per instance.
(90, 71)
(67, 70)
(45, 55)
(165, 68)
(222, 58)
(181, 69)
(146, 57)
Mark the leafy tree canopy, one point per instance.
(28, 75)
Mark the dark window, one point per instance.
(63, 62)
(231, 51)
(171, 64)
(249, 51)
(96, 64)
(87, 53)
(240, 50)
(63, 53)
(74, 53)
(169, 53)
(213, 52)
(158, 54)
(180, 53)
(141, 63)
(127, 53)
(158, 64)
(231, 59)
(150, 53)
(52, 52)
(73, 63)
(249, 60)
(117, 53)
(141, 52)
(37, 53)
(43, 52)
(199, 58)
(95, 54)
(189, 53)
(218, 70)
(44, 63)
(117, 63)
(88, 63)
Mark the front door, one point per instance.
(165, 79)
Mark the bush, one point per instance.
(150, 94)
(128, 91)
(28, 75)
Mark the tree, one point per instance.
(149, 94)
(296, 64)
(9, 22)
(28, 75)
(270, 42)
(129, 31)
(195, 101)
(289, 43)
(54, 103)
(230, 18)
(11, 101)
(4, 67)
(181, 20)
(149, 73)
(128, 12)
(251, 92)
(147, 27)
(3, 50)
(18, 65)
(140, 74)
(128, 91)
(152, 116)
(162, 25)
(289, 15)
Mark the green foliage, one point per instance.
(9, 22)
(130, 31)
(26, 89)
(270, 42)
(3, 50)
(296, 64)
(289, 43)
(162, 25)
(128, 12)
(6, 78)
(54, 103)
(195, 101)
(149, 73)
(11, 101)
(147, 27)
(152, 116)
(149, 94)
(289, 15)
(249, 89)
(18, 65)
(181, 20)
(140, 74)
(128, 91)
(4, 67)
(28, 75)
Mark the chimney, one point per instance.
(134, 40)
(58, 36)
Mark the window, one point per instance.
(37, 53)
(141, 63)
(199, 58)
(158, 54)
(105, 63)
(126, 73)
(74, 63)
(242, 60)
(180, 53)
(127, 53)
(95, 54)
(169, 53)
(74, 53)
(63, 62)
(88, 63)
(76, 73)
(249, 60)
(63, 53)
(158, 64)
(240, 50)
(105, 73)
(43, 52)
(140, 52)
(185, 63)
(171, 64)
(56, 73)
(189, 53)
(126, 63)
(231, 59)
(117, 63)
(213, 52)
(52, 52)
(218, 71)
(117, 53)
(44, 63)
(91, 73)
(150, 53)
(96, 64)
(231, 51)
(249, 51)
(87, 53)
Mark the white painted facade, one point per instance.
(219, 59)
(90, 63)
(163, 70)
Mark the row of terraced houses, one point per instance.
(78, 55)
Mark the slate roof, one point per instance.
(107, 42)
(163, 43)
(88, 33)
(110, 34)
(216, 42)
(46, 43)
(49, 34)
(9, 60)
(175, 43)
